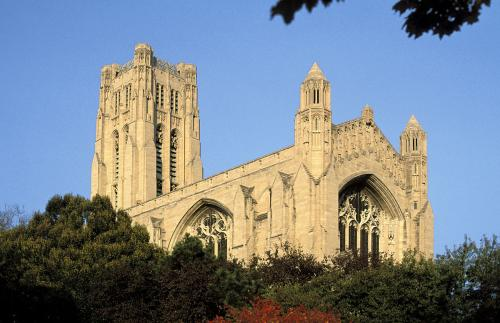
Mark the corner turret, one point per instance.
(313, 122)
(413, 141)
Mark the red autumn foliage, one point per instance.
(266, 310)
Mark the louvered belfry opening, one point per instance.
(159, 160)
(173, 160)
(116, 166)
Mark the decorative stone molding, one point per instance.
(287, 180)
(361, 138)
(369, 215)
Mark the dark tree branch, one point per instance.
(288, 8)
(441, 17)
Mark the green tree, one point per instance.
(196, 286)
(409, 291)
(460, 286)
(86, 254)
(473, 276)
(441, 17)
(286, 264)
(77, 247)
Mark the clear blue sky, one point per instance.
(250, 69)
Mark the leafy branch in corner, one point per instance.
(441, 17)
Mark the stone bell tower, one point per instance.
(313, 122)
(147, 129)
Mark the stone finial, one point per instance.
(315, 73)
(413, 123)
(367, 114)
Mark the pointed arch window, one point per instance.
(128, 96)
(173, 160)
(353, 236)
(213, 227)
(315, 96)
(342, 234)
(117, 102)
(364, 242)
(159, 159)
(362, 213)
(174, 102)
(116, 166)
(160, 97)
(375, 243)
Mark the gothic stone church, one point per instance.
(340, 186)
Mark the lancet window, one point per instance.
(128, 96)
(160, 97)
(316, 96)
(117, 102)
(159, 159)
(116, 166)
(173, 160)
(359, 214)
(174, 101)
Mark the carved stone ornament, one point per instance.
(247, 191)
(173, 142)
(287, 179)
(366, 213)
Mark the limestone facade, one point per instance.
(340, 186)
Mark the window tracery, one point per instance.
(212, 228)
(360, 214)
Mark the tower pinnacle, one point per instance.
(413, 123)
(315, 73)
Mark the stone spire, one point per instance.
(413, 123)
(313, 122)
(413, 138)
(315, 73)
(367, 114)
(315, 90)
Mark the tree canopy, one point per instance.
(88, 256)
